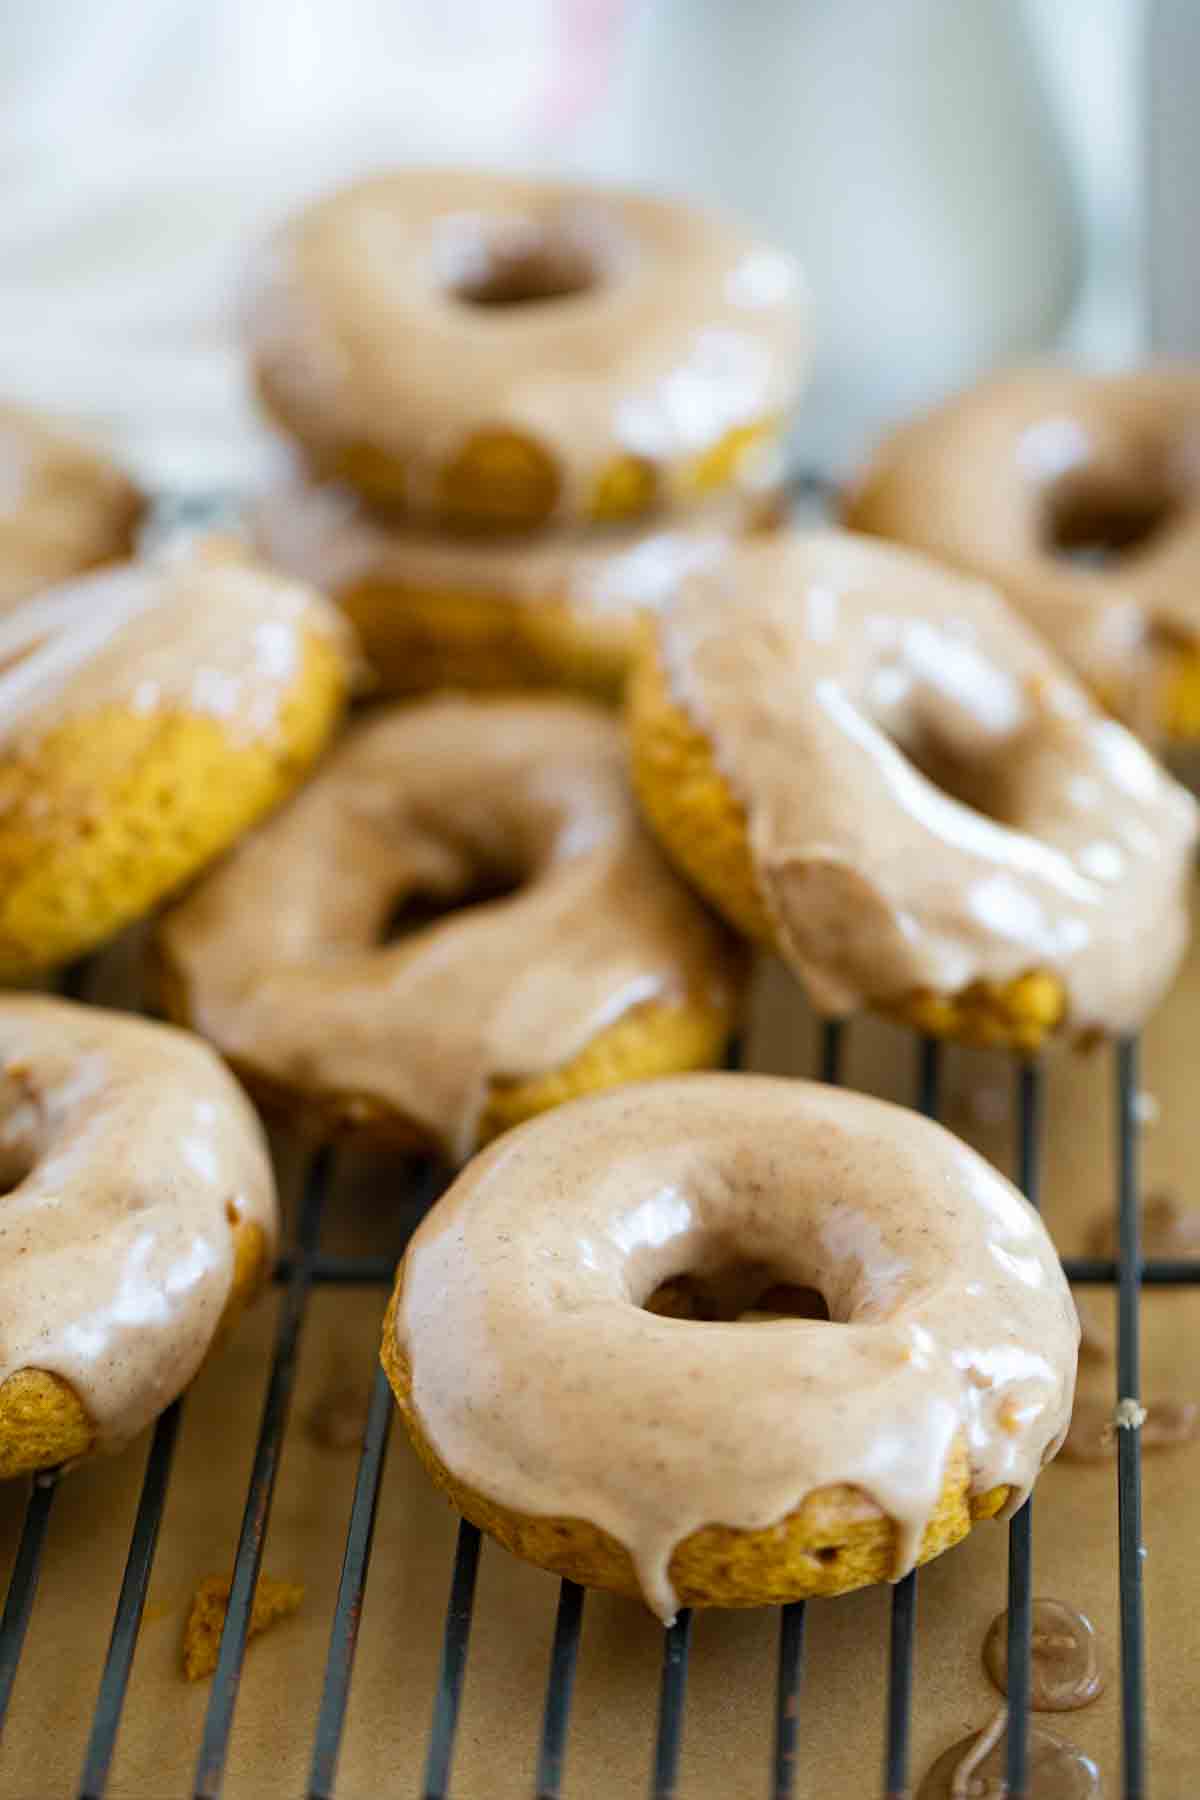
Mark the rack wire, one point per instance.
(305, 1266)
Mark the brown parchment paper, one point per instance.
(728, 1731)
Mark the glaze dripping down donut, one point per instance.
(731, 1463)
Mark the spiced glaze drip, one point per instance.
(542, 1383)
(828, 672)
(135, 1152)
(1064, 1666)
(974, 1769)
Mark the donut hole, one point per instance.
(522, 262)
(15, 1165)
(18, 1155)
(981, 783)
(741, 1294)
(1097, 522)
(421, 908)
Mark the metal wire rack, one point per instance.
(305, 1266)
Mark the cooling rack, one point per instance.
(304, 1266)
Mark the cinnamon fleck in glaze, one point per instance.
(282, 949)
(543, 1383)
(127, 1156)
(931, 800)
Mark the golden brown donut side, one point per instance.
(552, 609)
(834, 1541)
(702, 825)
(108, 812)
(43, 1422)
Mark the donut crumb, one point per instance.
(273, 1600)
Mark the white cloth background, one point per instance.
(145, 143)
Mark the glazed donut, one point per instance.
(492, 353)
(555, 608)
(1078, 495)
(148, 714)
(591, 964)
(876, 769)
(732, 1463)
(63, 507)
(140, 1217)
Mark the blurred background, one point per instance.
(964, 182)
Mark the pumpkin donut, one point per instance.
(491, 353)
(873, 767)
(148, 715)
(556, 608)
(140, 1217)
(1079, 495)
(65, 508)
(714, 1459)
(583, 962)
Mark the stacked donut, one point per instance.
(525, 410)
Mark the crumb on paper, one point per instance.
(273, 1600)
(1128, 1415)
(1161, 1425)
(1146, 1109)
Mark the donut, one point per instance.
(491, 353)
(555, 608)
(148, 714)
(316, 960)
(140, 1218)
(64, 508)
(1077, 494)
(872, 766)
(729, 1461)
